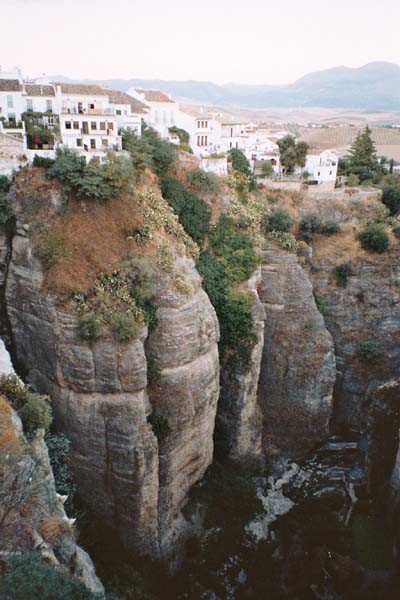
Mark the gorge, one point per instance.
(170, 439)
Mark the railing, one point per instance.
(66, 110)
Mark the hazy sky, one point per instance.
(218, 40)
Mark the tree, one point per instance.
(292, 153)
(139, 149)
(374, 237)
(362, 159)
(280, 220)
(267, 169)
(391, 193)
(241, 164)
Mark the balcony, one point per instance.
(67, 110)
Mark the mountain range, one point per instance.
(374, 86)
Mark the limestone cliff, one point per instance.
(133, 481)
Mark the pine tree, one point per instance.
(363, 160)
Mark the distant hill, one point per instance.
(375, 86)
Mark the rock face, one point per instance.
(298, 362)
(100, 399)
(280, 409)
(239, 421)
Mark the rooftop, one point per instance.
(39, 90)
(117, 97)
(155, 96)
(82, 89)
(10, 85)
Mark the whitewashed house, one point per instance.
(128, 111)
(11, 103)
(322, 167)
(202, 129)
(162, 110)
(88, 123)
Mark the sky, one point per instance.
(215, 40)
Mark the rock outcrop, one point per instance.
(133, 481)
(298, 363)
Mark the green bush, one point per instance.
(139, 150)
(321, 302)
(267, 170)
(214, 278)
(330, 228)
(124, 327)
(369, 350)
(163, 153)
(353, 180)
(159, 425)
(33, 409)
(36, 413)
(6, 211)
(89, 328)
(237, 329)
(201, 181)
(96, 180)
(41, 161)
(374, 237)
(280, 220)
(192, 211)
(234, 249)
(182, 134)
(342, 273)
(27, 577)
(396, 231)
(241, 164)
(4, 184)
(58, 446)
(310, 223)
(391, 193)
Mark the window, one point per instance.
(111, 126)
(205, 140)
(93, 144)
(118, 112)
(10, 102)
(319, 173)
(231, 131)
(93, 125)
(79, 142)
(11, 117)
(76, 124)
(50, 121)
(49, 106)
(330, 172)
(29, 105)
(102, 126)
(68, 125)
(206, 124)
(105, 142)
(198, 140)
(91, 106)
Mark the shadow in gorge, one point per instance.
(310, 553)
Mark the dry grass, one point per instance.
(52, 528)
(10, 442)
(79, 241)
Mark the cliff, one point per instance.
(133, 478)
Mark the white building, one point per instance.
(202, 129)
(128, 111)
(162, 110)
(322, 167)
(88, 123)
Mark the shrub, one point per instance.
(286, 240)
(58, 446)
(4, 184)
(241, 164)
(139, 150)
(14, 390)
(182, 134)
(342, 273)
(49, 247)
(234, 248)
(163, 153)
(214, 279)
(391, 194)
(124, 327)
(159, 425)
(321, 303)
(89, 328)
(36, 413)
(396, 231)
(374, 237)
(6, 211)
(237, 329)
(41, 161)
(192, 211)
(26, 577)
(353, 180)
(330, 228)
(202, 182)
(280, 220)
(267, 170)
(310, 223)
(369, 350)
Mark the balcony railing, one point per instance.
(67, 110)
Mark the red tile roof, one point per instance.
(10, 85)
(82, 89)
(155, 96)
(117, 97)
(39, 90)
